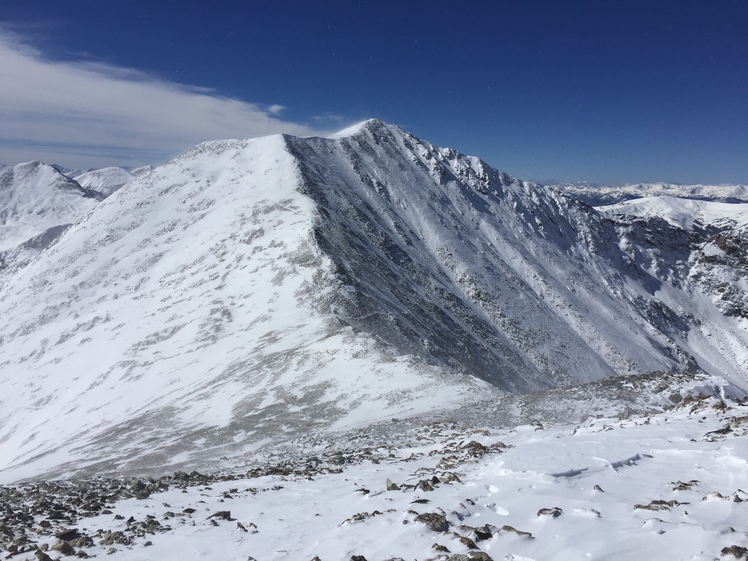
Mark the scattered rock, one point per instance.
(424, 485)
(392, 486)
(684, 486)
(64, 547)
(435, 521)
(41, 556)
(82, 541)
(68, 535)
(555, 512)
(659, 505)
(467, 542)
(111, 538)
(470, 556)
(140, 490)
(474, 448)
(222, 515)
(483, 533)
(507, 528)
(449, 477)
(479, 556)
(737, 551)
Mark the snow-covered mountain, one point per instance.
(252, 290)
(38, 202)
(34, 197)
(597, 195)
(107, 180)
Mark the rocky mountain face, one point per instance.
(254, 290)
(504, 277)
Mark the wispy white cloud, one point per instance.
(84, 113)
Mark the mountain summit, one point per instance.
(252, 289)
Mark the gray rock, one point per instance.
(41, 556)
(424, 485)
(435, 521)
(64, 547)
(555, 512)
(737, 551)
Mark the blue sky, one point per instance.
(604, 91)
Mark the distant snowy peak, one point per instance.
(38, 202)
(598, 195)
(356, 128)
(35, 197)
(470, 169)
(142, 170)
(685, 213)
(107, 180)
(67, 172)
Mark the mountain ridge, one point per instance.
(250, 290)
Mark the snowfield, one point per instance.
(628, 485)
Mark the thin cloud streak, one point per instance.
(92, 114)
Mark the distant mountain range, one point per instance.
(252, 290)
(597, 195)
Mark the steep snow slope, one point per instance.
(107, 180)
(179, 323)
(697, 248)
(35, 197)
(250, 290)
(685, 213)
(460, 263)
(37, 204)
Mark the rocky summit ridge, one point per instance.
(254, 290)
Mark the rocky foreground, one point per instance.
(667, 483)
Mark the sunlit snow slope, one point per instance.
(37, 204)
(35, 197)
(252, 289)
(107, 180)
(185, 319)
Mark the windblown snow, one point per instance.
(254, 290)
(35, 197)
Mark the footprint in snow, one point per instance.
(500, 510)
